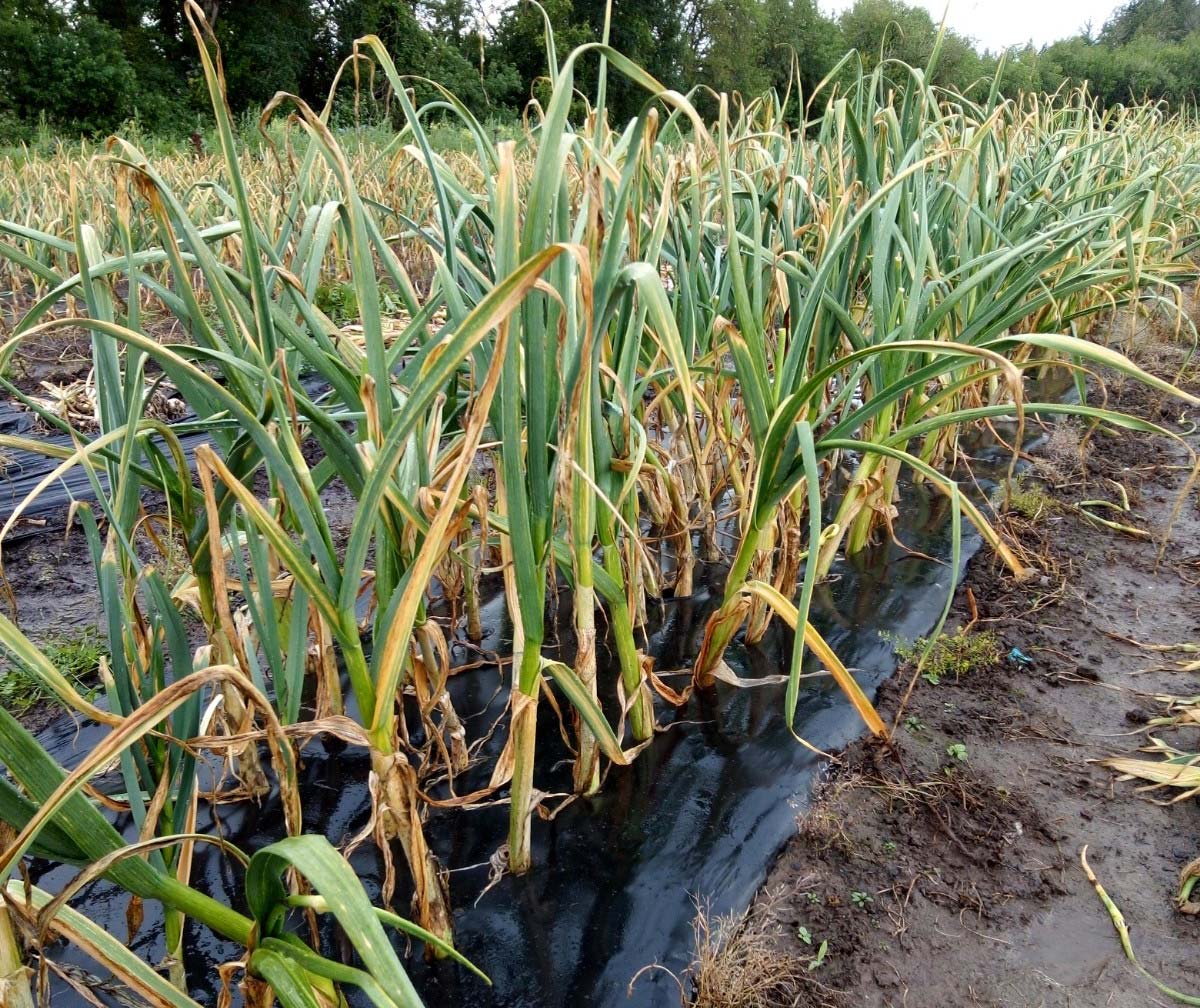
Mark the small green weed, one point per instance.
(952, 655)
(815, 961)
(1029, 500)
(76, 656)
(337, 300)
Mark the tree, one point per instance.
(416, 50)
(519, 39)
(797, 28)
(68, 69)
(650, 33)
(267, 46)
(158, 48)
(731, 44)
(1164, 20)
(892, 30)
(85, 65)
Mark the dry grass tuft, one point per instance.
(1061, 457)
(740, 963)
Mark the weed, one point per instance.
(951, 655)
(958, 751)
(1029, 500)
(338, 300)
(817, 960)
(76, 656)
(1061, 456)
(861, 900)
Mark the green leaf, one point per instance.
(331, 876)
(583, 701)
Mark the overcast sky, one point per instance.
(997, 24)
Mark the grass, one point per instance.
(373, 130)
(950, 656)
(76, 656)
(738, 963)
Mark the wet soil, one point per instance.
(940, 880)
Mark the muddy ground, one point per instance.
(941, 875)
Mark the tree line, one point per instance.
(79, 67)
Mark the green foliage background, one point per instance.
(84, 67)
